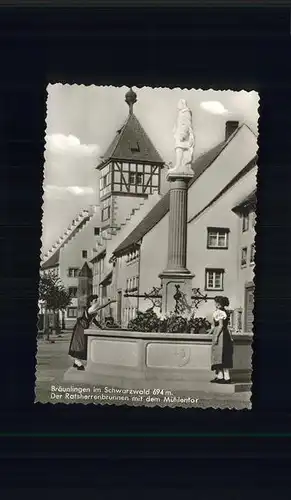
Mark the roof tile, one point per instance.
(132, 143)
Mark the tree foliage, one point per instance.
(53, 292)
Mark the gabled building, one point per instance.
(222, 176)
(130, 170)
(130, 186)
(68, 255)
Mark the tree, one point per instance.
(55, 295)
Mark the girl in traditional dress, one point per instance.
(222, 348)
(78, 344)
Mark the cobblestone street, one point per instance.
(53, 361)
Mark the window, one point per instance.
(131, 177)
(84, 254)
(73, 272)
(135, 178)
(132, 284)
(245, 222)
(105, 214)
(73, 291)
(134, 147)
(252, 253)
(244, 253)
(217, 237)
(106, 211)
(96, 231)
(139, 179)
(132, 256)
(72, 312)
(107, 180)
(214, 279)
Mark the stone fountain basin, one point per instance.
(127, 359)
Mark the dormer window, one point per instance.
(134, 148)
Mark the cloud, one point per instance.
(70, 144)
(80, 191)
(59, 192)
(214, 107)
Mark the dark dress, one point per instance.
(78, 344)
(222, 352)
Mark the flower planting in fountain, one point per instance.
(181, 320)
(149, 321)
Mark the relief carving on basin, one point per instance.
(187, 356)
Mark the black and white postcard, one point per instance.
(147, 283)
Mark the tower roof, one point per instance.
(131, 142)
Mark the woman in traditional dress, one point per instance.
(222, 348)
(78, 344)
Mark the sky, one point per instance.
(83, 120)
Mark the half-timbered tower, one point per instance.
(130, 170)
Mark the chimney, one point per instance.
(230, 128)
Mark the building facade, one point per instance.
(246, 213)
(130, 186)
(223, 176)
(125, 240)
(67, 257)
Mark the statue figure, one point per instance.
(184, 140)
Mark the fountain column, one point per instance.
(176, 272)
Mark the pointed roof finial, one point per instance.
(130, 98)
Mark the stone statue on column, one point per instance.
(176, 275)
(184, 141)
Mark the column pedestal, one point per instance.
(176, 272)
(169, 282)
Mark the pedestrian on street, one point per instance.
(222, 345)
